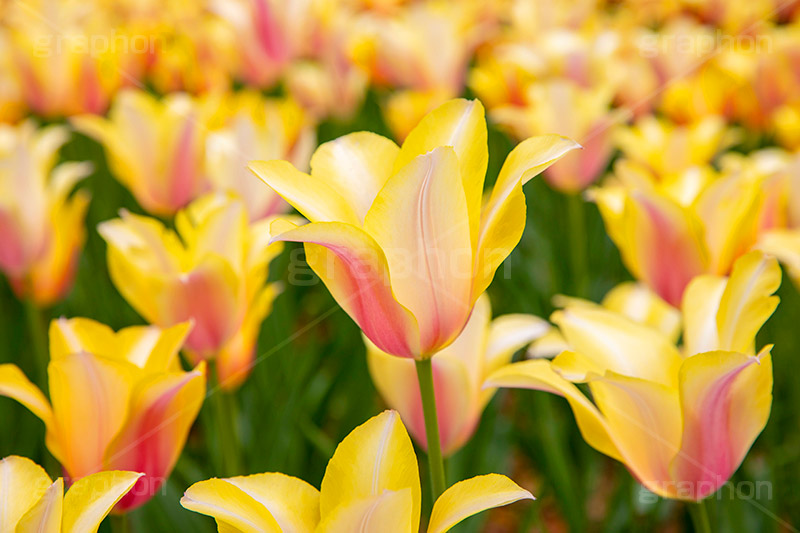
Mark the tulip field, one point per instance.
(399, 266)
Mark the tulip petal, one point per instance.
(747, 301)
(375, 457)
(503, 217)
(91, 498)
(15, 473)
(430, 260)
(90, 403)
(457, 401)
(538, 375)
(373, 513)
(293, 503)
(643, 418)
(163, 408)
(637, 302)
(315, 199)
(14, 384)
(230, 506)
(612, 342)
(700, 305)
(785, 245)
(509, 333)
(470, 497)
(725, 400)
(75, 335)
(45, 515)
(354, 269)
(662, 244)
(356, 166)
(461, 124)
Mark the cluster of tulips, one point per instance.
(207, 112)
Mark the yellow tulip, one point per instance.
(458, 374)
(668, 149)
(155, 148)
(401, 236)
(256, 127)
(681, 421)
(41, 225)
(118, 401)
(211, 270)
(371, 485)
(35, 503)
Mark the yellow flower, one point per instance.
(681, 421)
(211, 270)
(34, 502)
(371, 485)
(458, 374)
(155, 148)
(256, 127)
(401, 236)
(118, 400)
(41, 225)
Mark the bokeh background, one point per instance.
(311, 386)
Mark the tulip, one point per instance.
(41, 225)
(211, 270)
(395, 50)
(680, 421)
(673, 229)
(155, 148)
(400, 236)
(371, 484)
(37, 503)
(73, 68)
(118, 401)
(257, 127)
(563, 107)
(458, 374)
(669, 149)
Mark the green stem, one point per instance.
(38, 341)
(224, 412)
(699, 514)
(577, 244)
(435, 461)
(120, 523)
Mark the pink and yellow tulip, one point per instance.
(396, 51)
(34, 502)
(563, 107)
(257, 128)
(211, 270)
(371, 484)
(401, 236)
(672, 228)
(41, 224)
(458, 374)
(682, 421)
(118, 401)
(154, 147)
(67, 61)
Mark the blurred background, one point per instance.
(678, 85)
